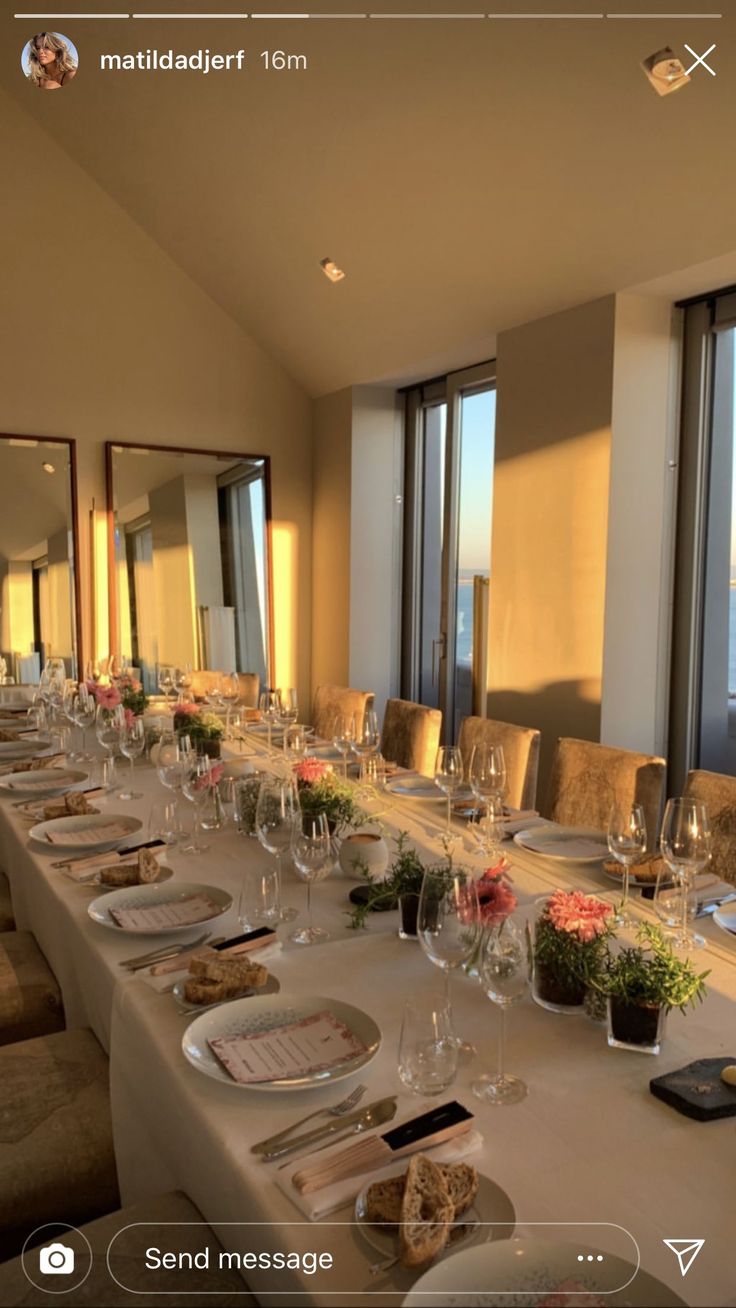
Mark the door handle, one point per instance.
(440, 640)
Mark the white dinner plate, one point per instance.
(15, 706)
(150, 896)
(21, 722)
(726, 918)
(521, 1273)
(246, 1016)
(40, 833)
(415, 788)
(24, 747)
(42, 782)
(272, 987)
(327, 753)
(561, 842)
(491, 1204)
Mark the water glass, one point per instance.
(312, 857)
(296, 742)
(368, 736)
(104, 776)
(277, 813)
(165, 678)
(685, 841)
(428, 1050)
(627, 842)
(448, 775)
(288, 705)
(163, 822)
(504, 975)
(196, 786)
(343, 735)
(448, 922)
(260, 899)
(132, 745)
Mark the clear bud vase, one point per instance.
(212, 815)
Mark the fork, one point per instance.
(337, 1110)
(154, 955)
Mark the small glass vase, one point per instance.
(212, 815)
(637, 1027)
(408, 912)
(555, 989)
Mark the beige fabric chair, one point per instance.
(30, 999)
(587, 779)
(520, 750)
(7, 919)
(250, 686)
(411, 735)
(56, 1160)
(127, 1261)
(718, 792)
(331, 700)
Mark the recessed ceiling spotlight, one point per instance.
(331, 270)
(665, 71)
(48, 467)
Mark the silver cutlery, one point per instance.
(337, 1110)
(164, 951)
(707, 906)
(456, 1236)
(365, 1119)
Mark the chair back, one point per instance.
(587, 779)
(329, 701)
(718, 793)
(520, 750)
(411, 735)
(250, 683)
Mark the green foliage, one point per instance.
(651, 973)
(573, 962)
(199, 726)
(135, 700)
(404, 878)
(332, 797)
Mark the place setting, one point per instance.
(152, 909)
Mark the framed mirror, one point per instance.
(40, 607)
(190, 563)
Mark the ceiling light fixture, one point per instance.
(331, 270)
(48, 467)
(666, 73)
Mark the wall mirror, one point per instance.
(190, 572)
(40, 614)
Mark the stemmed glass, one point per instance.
(288, 705)
(277, 813)
(182, 680)
(627, 842)
(296, 742)
(84, 710)
(269, 705)
(213, 694)
(132, 745)
(172, 765)
(504, 974)
(367, 736)
(311, 854)
(165, 678)
(448, 775)
(487, 778)
(685, 841)
(196, 784)
(448, 923)
(343, 735)
(229, 696)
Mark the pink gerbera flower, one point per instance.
(310, 770)
(107, 697)
(578, 914)
(495, 896)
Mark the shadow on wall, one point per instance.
(562, 708)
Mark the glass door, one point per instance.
(449, 491)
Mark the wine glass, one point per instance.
(165, 678)
(277, 812)
(183, 680)
(367, 736)
(504, 974)
(448, 775)
(195, 785)
(288, 705)
(229, 696)
(487, 779)
(311, 854)
(296, 742)
(213, 693)
(132, 745)
(685, 841)
(84, 711)
(627, 842)
(269, 706)
(343, 735)
(172, 765)
(108, 725)
(448, 922)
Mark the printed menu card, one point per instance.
(158, 917)
(285, 1052)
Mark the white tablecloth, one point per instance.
(590, 1143)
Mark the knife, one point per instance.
(707, 906)
(364, 1119)
(423, 1132)
(113, 855)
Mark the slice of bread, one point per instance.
(234, 971)
(77, 804)
(8, 735)
(148, 867)
(426, 1213)
(383, 1199)
(119, 875)
(198, 990)
(462, 1183)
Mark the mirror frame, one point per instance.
(74, 499)
(111, 447)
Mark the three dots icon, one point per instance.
(590, 1258)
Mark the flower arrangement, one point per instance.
(132, 695)
(404, 878)
(651, 974)
(495, 896)
(570, 940)
(211, 778)
(197, 725)
(106, 697)
(321, 791)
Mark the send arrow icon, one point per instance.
(686, 1251)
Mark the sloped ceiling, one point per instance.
(468, 175)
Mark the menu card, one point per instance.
(295, 1049)
(179, 912)
(90, 835)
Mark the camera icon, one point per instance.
(56, 1260)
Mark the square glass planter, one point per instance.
(637, 1027)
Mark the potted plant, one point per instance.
(321, 791)
(570, 934)
(642, 983)
(205, 730)
(401, 888)
(132, 695)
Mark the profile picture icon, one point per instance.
(49, 61)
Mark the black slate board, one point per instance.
(697, 1090)
(360, 895)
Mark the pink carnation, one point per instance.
(210, 777)
(495, 896)
(107, 697)
(188, 710)
(310, 770)
(578, 914)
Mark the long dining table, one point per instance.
(589, 1147)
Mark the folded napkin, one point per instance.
(321, 1203)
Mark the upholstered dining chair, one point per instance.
(718, 793)
(250, 686)
(411, 735)
(171, 1223)
(57, 1160)
(7, 917)
(587, 779)
(30, 998)
(329, 701)
(520, 751)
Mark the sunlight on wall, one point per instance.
(100, 589)
(284, 548)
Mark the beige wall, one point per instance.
(550, 510)
(105, 338)
(60, 598)
(331, 540)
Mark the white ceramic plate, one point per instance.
(40, 833)
(20, 722)
(272, 987)
(22, 748)
(327, 753)
(151, 896)
(415, 788)
(245, 1016)
(524, 1272)
(561, 842)
(42, 782)
(491, 1204)
(726, 918)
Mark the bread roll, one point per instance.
(232, 971)
(119, 875)
(426, 1213)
